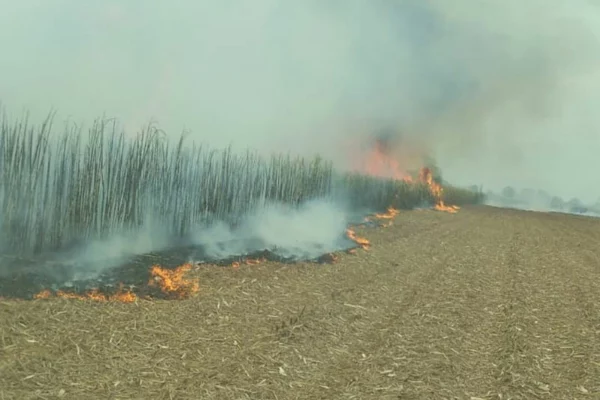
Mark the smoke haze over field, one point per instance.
(282, 231)
(501, 92)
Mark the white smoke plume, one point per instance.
(308, 232)
(500, 92)
(292, 233)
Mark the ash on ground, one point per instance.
(26, 277)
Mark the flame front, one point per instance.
(44, 294)
(388, 216)
(362, 242)
(436, 190)
(380, 162)
(248, 261)
(173, 282)
(123, 296)
(170, 282)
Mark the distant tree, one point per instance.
(528, 194)
(576, 206)
(509, 192)
(474, 188)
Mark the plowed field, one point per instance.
(484, 304)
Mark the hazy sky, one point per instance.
(501, 91)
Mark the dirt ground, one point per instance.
(484, 304)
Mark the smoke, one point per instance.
(316, 228)
(288, 233)
(500, 93)
(540, 200)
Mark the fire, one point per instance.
(389, 215)
(362, 242)
(173, 282)
(436, 190)
(123, 296)
(248, 261)
(381, 164)
(44, 294)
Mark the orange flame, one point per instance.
(436, 190)
(123, 296)
(44, 294)
(362, 242)
(173, 282)
(381, 164)
(170, 282)
(389, 215)
(254, 261)
(248, 261)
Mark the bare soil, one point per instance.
(484, 304)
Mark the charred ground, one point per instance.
(35, 275)
(484, 304)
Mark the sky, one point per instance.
(501, 92)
